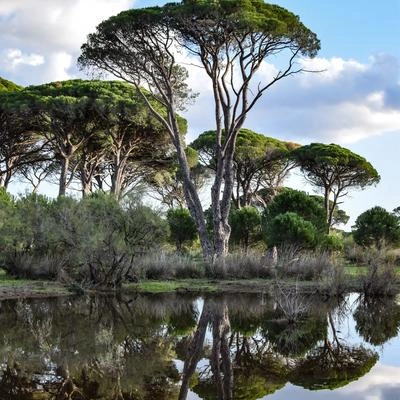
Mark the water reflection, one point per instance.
(179, 347)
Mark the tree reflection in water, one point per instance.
(231, 347)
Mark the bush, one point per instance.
(246, 226)
(308, 265)
(96, 238)
(182, 227)
(291, 229)
(165, 265)
(331, 243)
(381, 277)
(378, 227)
(296, 201)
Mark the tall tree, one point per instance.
(334, 170)
(296, 201)
(134, 141)
(20, 145)
(231, 39)
(67, 119)
(259, 162)
(92, 122)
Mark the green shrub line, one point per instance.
(100, 244)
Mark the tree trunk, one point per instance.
(193, 203)
(86, 188)
(221, 364)
(63, 176)
(195, 350)
(117, 175)
(86, 182)
(221, 207)
(327, 209)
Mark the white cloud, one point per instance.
(41, 33)
(347, 102)
(57, 67)
(55, 25)
(12, 58)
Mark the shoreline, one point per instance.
(30, 289)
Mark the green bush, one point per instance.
(291, 229)
(296, 201)
(182, 227)
(378, 227)
(96, 240)
(331, 243)
(246, 226)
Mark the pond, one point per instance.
(181, 346)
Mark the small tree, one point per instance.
(376, 226)
(182, 227)
(291, 229)
(246, 226)
(334, 170)
(296, 201)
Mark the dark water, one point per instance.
(282, 346)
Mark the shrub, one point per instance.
(297, 263)
(182, 227)
(291, 229)
(96, 239)
(165, 265)
(331, 243)
(246, 226)
(296, 201)
(381, 278)
(376, 226)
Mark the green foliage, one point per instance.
(334, 169)
(347, 364)
(8, 86)
(295, 201)
(259, 161)
(294, 339)
(290, 229)
(92, 241)
(377, 320)
(376, 226)
(331, 243)
(246, 226)
(251, 147)
(6, 199)
(320, 161)
(240, 17)
(182, 227)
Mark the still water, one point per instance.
(175, 346)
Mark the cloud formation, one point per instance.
(348, 101)
(41, 39)
(345, 102)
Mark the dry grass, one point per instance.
(240, 266)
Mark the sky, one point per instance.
(354, 102)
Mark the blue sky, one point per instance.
(355, 102)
